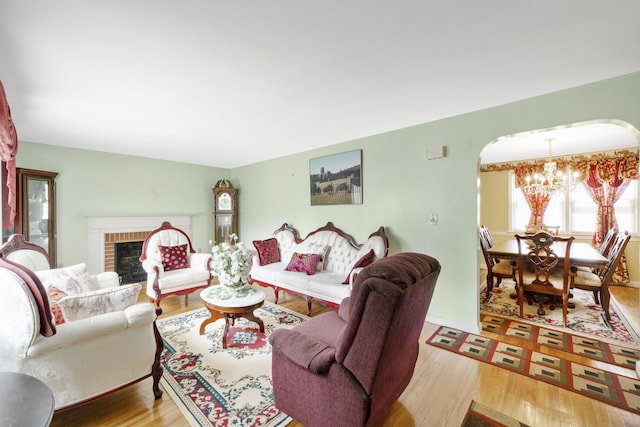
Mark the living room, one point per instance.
(402, 188)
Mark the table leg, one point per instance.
(253, 318)
(227, 317)
(214, 316)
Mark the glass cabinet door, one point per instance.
(35, 217)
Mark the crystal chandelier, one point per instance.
(550, 181)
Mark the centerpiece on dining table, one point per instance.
(232, 264)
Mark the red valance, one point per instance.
(596, 169)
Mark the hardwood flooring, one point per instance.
(440, 392)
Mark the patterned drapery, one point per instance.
(605, 186)
(8, 151)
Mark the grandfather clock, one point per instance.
(225, 211)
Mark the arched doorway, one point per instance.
(577, 139)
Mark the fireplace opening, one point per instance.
(127, 262)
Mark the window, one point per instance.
(574, 211)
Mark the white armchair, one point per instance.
(92, 351)
(171, 264)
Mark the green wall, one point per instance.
(91, 182)
(400, 186)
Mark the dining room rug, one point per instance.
(223, 387)
(559, 340)
(599, 384)
(587, 318)
(479, 415)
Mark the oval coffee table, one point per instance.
(231, 305)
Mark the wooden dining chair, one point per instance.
(540, 272)
(598, 282)
(497, 269)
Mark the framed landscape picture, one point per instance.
(336, 179)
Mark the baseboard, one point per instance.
(441, 321)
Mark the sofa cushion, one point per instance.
(365, 260)
(89, 304)
(303, 262)
(307, 247)
(71, 280)
(174, 257)
(267, 249)
(55, 295)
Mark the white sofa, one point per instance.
(341, 256)
(104, 342)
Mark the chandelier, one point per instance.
(550, 181)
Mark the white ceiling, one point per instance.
(229, 83)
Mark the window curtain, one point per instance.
(605, 184)
(537, 202)
(8, 151)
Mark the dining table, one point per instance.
(581, 255)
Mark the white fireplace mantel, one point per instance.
(100, 224)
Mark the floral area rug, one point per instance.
(587, 318)
(218, 387)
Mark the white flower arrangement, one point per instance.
(232, 262)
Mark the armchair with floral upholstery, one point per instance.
(78, 334)
(172, 265)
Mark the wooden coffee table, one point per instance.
(222, 303)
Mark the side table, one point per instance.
(24, 401)
(231, 305)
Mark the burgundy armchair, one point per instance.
(347, 368)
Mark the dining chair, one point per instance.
(497, 269)
(604, 248)
(541, 272)
(598, 282)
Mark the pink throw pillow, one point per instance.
(55, 295)
(365, 260)
(303, 262)
(174, 257)
(268, 252)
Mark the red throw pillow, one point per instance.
(268, 252)
(174, 257)
(304, 262)
(55, 295)
(365, 260)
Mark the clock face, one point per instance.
(224, 202)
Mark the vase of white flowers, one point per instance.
(232, 263)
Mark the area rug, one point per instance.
(608, 387)
(552, 338)
(587, 318)
(479, 415)
(223, 387)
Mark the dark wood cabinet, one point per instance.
(36, 209)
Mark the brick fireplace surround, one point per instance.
(110, 240)
(105, 230)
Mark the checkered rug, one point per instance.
(553, 338)
(587, 318)
(608, 387)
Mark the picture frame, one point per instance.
(336, 179)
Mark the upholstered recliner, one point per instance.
(347, 368)
(171, 264)
(104, 342)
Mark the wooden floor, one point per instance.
(440, 392)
